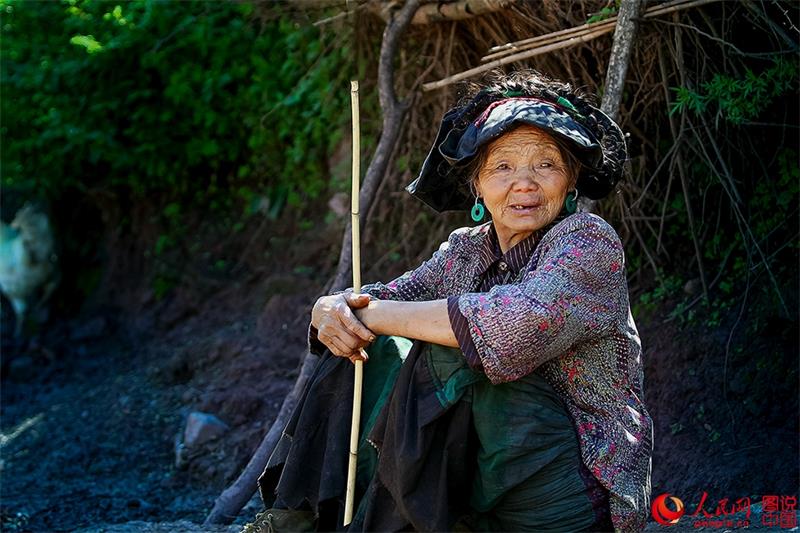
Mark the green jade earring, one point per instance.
(477, 210)
(571, 203)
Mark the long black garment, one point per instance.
(309, 463)
(422, 479)
(420, 484)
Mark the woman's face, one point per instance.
(523, 167)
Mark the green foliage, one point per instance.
(605, 13)
(162, 285)
(770, 210)
(183, 101)
(739, 100)
(648, 301)
(190, 106)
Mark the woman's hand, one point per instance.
(337, 325)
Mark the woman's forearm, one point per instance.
(426, 321)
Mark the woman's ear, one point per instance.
(476, 190)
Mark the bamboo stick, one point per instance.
(541, 40)
(547, 39)
(359, 363)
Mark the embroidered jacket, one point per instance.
(566, 315)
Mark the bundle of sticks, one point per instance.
(542, 44)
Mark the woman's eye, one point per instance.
(502, 166)
(546, 164)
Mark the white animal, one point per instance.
(28, 262)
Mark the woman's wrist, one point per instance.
(428, 321)
(372, 316)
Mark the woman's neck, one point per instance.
(510, 240)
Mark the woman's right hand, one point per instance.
(337, 325)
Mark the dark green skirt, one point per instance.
(526, 475)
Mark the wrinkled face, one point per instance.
(523, 181)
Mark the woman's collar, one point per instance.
(515, 257)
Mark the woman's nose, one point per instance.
(525, 180)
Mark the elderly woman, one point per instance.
(503, 390)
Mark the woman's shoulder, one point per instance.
(581, 220)
(468, 235)
(583, 225)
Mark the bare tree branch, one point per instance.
(620, 56)
(571, 37)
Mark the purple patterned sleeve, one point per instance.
(421, 284)
(461, 331)
(573, 294)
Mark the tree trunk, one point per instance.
(618, 66)
(232, 499)
(393, 114)
(620, 56)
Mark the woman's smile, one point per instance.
(525, 209)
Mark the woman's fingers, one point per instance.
(357, 300)
(340, 340)
(335, 345)
(354, 325)
(350, 341)
(359, 356)
(341, 349)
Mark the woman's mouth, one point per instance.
(524, 209)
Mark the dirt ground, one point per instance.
(90, 420)
(91, 409)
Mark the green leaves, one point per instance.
(738, 100)
(603, 14)
(88, 42)
(686, 99)
(188, 100)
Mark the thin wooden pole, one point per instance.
(359, 363)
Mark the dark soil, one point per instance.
(729, 431)
(91, 438)
(92, 406)
(90, 418)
